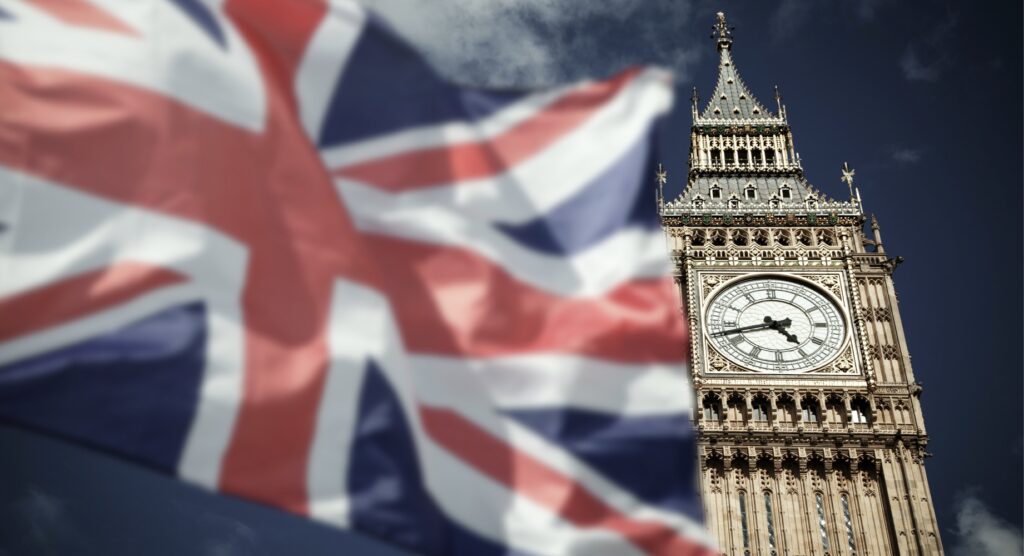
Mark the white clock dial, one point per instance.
(775, 325)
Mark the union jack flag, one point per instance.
(262, 246)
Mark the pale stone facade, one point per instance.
(810, 432)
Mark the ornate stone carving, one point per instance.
(829, 282)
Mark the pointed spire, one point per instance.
(694, 102)
(731, 100)
(876, 231)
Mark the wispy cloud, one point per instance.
(237, 538)
(916, 70)
(927, 57)
(981, 533)
(47, 521)
(523, 43)
(790, 16)
(905, 155)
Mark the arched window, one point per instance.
(712, 408)
(716, 157)
(742, 156)
(761, 411)
(785, 192)
(835, 412)
(809, 411)
(730, 157)
(715, 191)
(769, 157)
(849, 523)
(756, 155)
(787, 409)
(750, 192)
(771, 521)
(859, 411)
(737, 409)
(819, 504)
(734, 202)
(743, 521)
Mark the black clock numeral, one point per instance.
(802, 352)
(770, 293)
(817, 341)
(820, 324)
(778, 356)
(754, 351)
(730, 324)
(736, 340)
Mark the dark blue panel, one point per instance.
(385, 483)
(386, 87)
(651, 457)
(131, 392)
(620, 197)
(202, 17)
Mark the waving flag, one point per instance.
(260, 245)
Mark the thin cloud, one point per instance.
(916, 70)
(530, 43)
(926, 58)
(904, 155)
(981, 533)
(789, 17)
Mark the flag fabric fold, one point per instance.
(263, 247)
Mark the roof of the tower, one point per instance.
(732, 100)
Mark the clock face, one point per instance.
(775, 325)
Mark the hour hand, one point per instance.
(781, 326)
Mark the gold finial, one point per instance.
(722, 32)
(661, 176)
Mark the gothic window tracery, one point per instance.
(781, 236)
(834, 410)
(698, 238)
(760, 409)
(819, 505)
(761, 237)
(810, 412)
(804, 237)
(736, 407)
(860, 411)
(740, 237)
(744, 528)
(787, 409)
(718, 237)
(712, 408)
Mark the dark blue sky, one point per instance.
(922, 98)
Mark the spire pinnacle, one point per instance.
(847, 178)
(722, 32)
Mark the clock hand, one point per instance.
(765, 326)
(780, 326)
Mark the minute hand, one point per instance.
(765, 326)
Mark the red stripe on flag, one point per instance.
(467, 161)
(452, 301)
(83, 14)
(78, 296)
(529, 477)
(267, 190)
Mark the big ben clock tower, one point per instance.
(810, 432)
